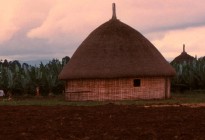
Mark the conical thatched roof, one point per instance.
(116, 50)
(183, 57)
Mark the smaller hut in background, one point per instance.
(183, 57)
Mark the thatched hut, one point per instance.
(183, 57)
(116, 62)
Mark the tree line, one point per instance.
(24, 79)
(189, 75)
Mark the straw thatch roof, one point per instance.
(183, 57)
(116, 50)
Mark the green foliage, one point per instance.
(190, 75)
(21, 79)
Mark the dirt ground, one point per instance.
(108, 122)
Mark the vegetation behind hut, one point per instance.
(190, 75)
(22, 79)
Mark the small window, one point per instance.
(137, 82)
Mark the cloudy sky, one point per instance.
(46, 29)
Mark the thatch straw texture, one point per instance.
(183, 57)
(115, 50)
(117, 89)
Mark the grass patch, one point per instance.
(45, 101)
(177, 98)
(189, 97)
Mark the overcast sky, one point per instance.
(46, 29)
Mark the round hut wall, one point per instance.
(118, 89)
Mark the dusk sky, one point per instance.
(46, 29)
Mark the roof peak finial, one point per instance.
(113, 11)
(183, 47)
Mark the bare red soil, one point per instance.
(108, 122)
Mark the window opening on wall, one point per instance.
(137, 82)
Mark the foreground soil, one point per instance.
(108, 122)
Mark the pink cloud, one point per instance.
(15, 15)
(65, 22)
(171, 44)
